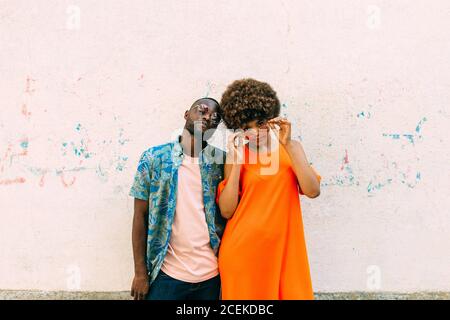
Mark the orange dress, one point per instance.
(263, 252)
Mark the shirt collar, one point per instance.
(178, 154)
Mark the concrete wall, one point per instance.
(86, 86)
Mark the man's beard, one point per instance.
(195, 131)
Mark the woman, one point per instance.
(263, 252)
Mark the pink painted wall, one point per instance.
(86, 86)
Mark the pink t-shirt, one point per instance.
(190, 257)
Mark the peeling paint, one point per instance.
(8, 182)
(376, 186)
(410, 137)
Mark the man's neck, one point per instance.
(191, 146)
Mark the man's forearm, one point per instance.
(139, 239)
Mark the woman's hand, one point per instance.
(284, 132)
(235, 148)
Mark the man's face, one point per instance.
(202, 118)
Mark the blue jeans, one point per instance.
(167, 288)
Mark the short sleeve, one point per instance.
(319, 178)
(141, 184)
(220, 188)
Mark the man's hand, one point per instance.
(140, 286)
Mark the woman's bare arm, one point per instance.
(229, 198)
(307, 178)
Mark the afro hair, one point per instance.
(247, 100)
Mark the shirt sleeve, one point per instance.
(141, 184)
(319, 178)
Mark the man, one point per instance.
(177, 225)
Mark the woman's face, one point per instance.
(257, 132)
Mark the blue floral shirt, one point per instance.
(156, 181)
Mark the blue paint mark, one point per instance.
(371, 187)
(75, 169)
(24, 144)
(420, 124)
(392, 135)
(121, 163)
(345, 180)
(284, 108)
(64, 148)
(410, 184)
(121, 140)
(411, 137)
(101, 174)
(79, 150)
(363, 114)
(78, 127)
